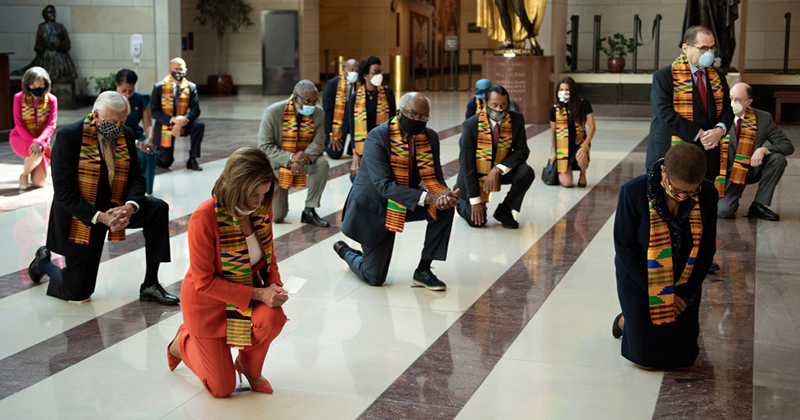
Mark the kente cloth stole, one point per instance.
(485, 160)
(360, 111)
(744, 149)
(683, 103)
(479, 105)
(339, 107)
(89, 163)
(660, 278)
(562, 137)
(236, 268)
(399, 153)
(167, 106)
(35, 119)
(294, 139)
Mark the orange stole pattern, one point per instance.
(744, 148)
(35, 119)
(562, 137)
(294, 139)
(485, 160)
(339, 105)
(89, 163)
(167, 106)
(360, 112)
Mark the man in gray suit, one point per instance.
(299, 162)
(389, 181)
(766, 162)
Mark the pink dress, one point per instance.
(21, 139)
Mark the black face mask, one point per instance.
(37, 92)
(178, 75)
(412, 127)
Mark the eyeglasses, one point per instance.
(712, 48)
(307, 102)
(416, 117)
(680, 193)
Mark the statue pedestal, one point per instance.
(528, 81)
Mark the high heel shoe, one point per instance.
(173, 361)
(264, 387)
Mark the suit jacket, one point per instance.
(666, 122)
(350, 114)
(767, 131)
(67, 200)
(161, 118)
(467, 173)
(364, 214)
(205, 292)
(329, 104)
(270, 136)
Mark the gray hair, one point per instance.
(406, 100)
(31, 75)
(113, 101)
(304, 86)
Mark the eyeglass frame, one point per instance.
(685, 193)
(415, 117)
(304, 101)
(703, 50)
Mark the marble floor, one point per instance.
(523, 331)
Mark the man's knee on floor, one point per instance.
(374, 280)
(726, 210)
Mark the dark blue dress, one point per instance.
(139, 102)
(671, 345)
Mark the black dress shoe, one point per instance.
(713, 268)
(428, 280)
(311, 217)
(503, 215)
(157, 294)
(616, 331)
(192, 164)
(42, 254)
(762, 212)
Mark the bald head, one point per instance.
(414, 103)
(743, 94)
(177, 68)
(351, 65)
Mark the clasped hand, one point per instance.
(35, 149)
(710, 138)
(273, 295)
(117, 218)
(299, 161)
(444, 200)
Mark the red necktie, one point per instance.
(701, 88)
(496, 135)
(738, 127)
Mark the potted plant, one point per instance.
(616, 47)
(223, 15)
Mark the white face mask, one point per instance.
(737, 107)
(352, 76)
(242, 213)
(376, 80)
(563, 96)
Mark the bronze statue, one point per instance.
(496, 14)
(52, 48)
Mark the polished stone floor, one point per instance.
(523, 331)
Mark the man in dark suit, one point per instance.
(502, 133)
(85, 207)
(387, 183)
(176, 111)
(708, 118)
(766, 163)
(478, 100)
(335, 139)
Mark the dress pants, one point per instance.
(766, 175)
(520, 177)
(373, 266)
(79, 277)
(210, 358)
(195, 130)
(147, 163)
(317, 176)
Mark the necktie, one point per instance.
(738, 127)
(108, 159)
(701, 88)
(175, 94)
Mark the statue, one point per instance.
(52, 48)
(496, 14)
(719, 17)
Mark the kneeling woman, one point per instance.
(232, 293)
(665, 236)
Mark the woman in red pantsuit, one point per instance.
(238, 306)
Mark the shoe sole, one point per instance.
(434, 288)
(146, 299)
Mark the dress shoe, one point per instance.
(428, 280)
(192, 164)
(311, 217)
(503, 215)
(157, 294)
(713, 268)
(616, 331)
(264, 386)
(42, 254)
(762, 212)
(341, 247)
(173, 361)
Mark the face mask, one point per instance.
(706, 59)
(737, 107)
(495, 115)
(38, 91)
(306, 110)
(178, 75)
(109, 131)
(672, 196)
(480, 95)
(352, 76)
(376, 80)
(242, 213)
(126, 95)
(563, 96)
(412, 127)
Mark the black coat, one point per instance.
(364, 214)
(163, 119)
(67, 200)
(666, 122)
(467, 172)
(674, 344)
(328, 105)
